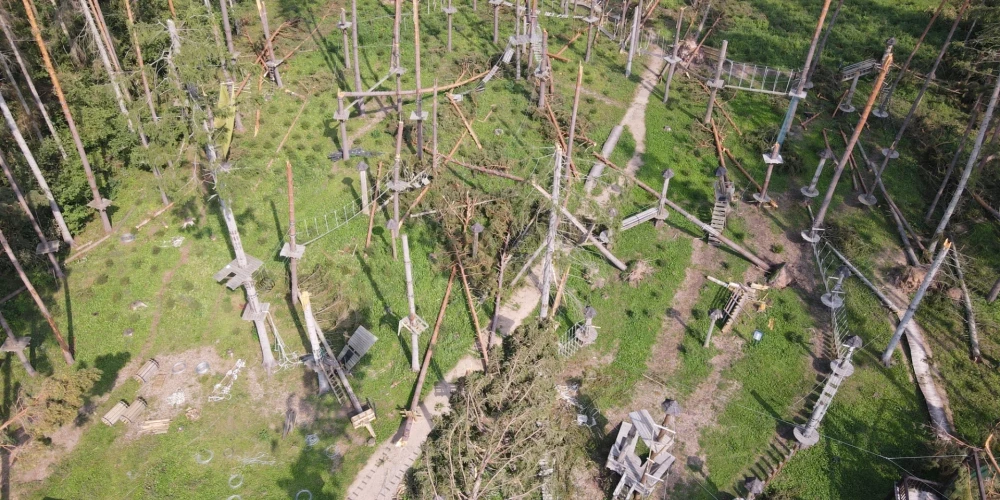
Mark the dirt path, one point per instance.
(383, 475)
(635, 117)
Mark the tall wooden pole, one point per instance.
(23, 202)
(793, 104)
(416, 76)
(812, 234)
(357, 62)
(672, 59)
(292, 262)
(716, 83)
(31, 85)
(67, 355)
(434, 129)
(262, 10)
(36, 171)
(99, 203)
(576, 107)
(822, 44)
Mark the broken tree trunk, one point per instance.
(36, 171)
(967, 172)
(970, 313)
(67, 354)
(475, 316)
(954, 161)
(103, 52)
(415, 402)
(21, 200)
(99, 203)
(293, 261)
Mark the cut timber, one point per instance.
(147, 372)
(600, 246)
(115, 414)
(155, 426)
(131, 415)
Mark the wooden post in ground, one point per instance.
(357, 62)
(994, 292)
(576, 107)
(434, 130)
(294, 252)
(341, 115)
(67, 355)
(633, 39)
(673, 59)
(36, 171)
(793, 104)
(44, 246)
(450, 12)
(272, 65)
(420, 115)
(344, 26)
(99, 203)
(590, 20)
(543, 71)
(414, 334)
(518, 47)
(716, 83)
(550, 240)
(812, 235)
(363, 180)
(496, 20)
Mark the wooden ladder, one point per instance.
(735, 306)
(719, 214)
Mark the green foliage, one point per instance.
(58, 401)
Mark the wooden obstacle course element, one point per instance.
(115, 413)
(147, 371)
(131, 415)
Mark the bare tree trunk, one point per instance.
(62, 24)
(138, 56)
(262, 10)
(906, 65)
(103, 52)
(20, 97)
(980, 136)
(31, 85)
(106, 36)
(292, 262)
(992, 297)
(33, 165)
(67, 355)
(99, 202)
(954, 161)
(21, 200)
(228, 30)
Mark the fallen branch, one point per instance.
(13, 294)
(289, 132)
(744, 172)
(557, 57)
(475, 315)
(986, 206)
(570, 42)
(722, 107)
(92, 246)
(155, 215)
(415, 202)
(466, 122)
(974, 351)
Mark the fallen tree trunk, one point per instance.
(579, 225)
